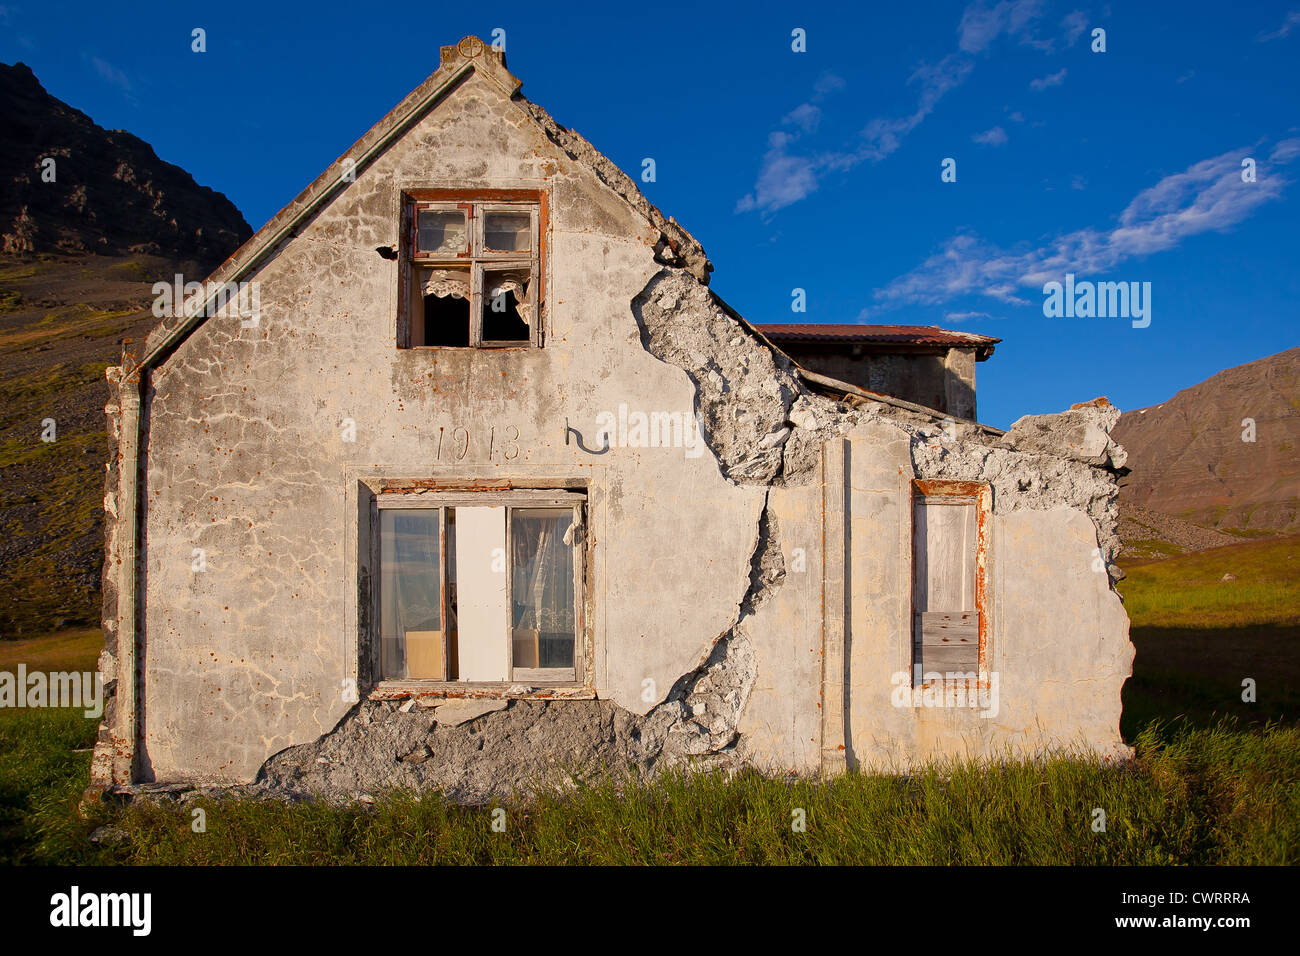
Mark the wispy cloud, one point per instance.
(1074, 24)
(884, 135)
(1052, 79)
(1290, 23)
(786, 176)
(982, 23)
(966, 316)
(996, 136)
(1208, 196)
(111, 75)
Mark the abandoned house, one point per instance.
(488, 484)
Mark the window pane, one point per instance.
(507, 307)
(508, 231)
(410, 614)
(542, 577)
(440, 307)
(441, 231)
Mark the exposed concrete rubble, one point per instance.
(1080, 434)
(743, 396)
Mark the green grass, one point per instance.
(1150, 548)
(64, 651)
(1189, 590)
(1217, 796)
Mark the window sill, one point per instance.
(536, 690)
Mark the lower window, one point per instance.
(480, 592)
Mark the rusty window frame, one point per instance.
(475, 202)
(956, 491)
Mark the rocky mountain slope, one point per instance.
(79, 258)
(1193, 461)
(110, 193)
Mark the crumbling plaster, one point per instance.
(711, 573)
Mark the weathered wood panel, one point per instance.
(944, 539)
(964, 658)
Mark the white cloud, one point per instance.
(783, 179)
(806, 116)
(786, 178)
(1290, 23)
(882, 136)
(991, 137)
(1208, 196)
(1052, 79)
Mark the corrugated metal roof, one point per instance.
(811, 333)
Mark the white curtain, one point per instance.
(543, 581)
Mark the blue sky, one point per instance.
(820, 169)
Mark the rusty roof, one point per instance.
(829, 334)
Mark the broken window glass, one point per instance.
(507, 309)
(442, 314)
(471, 275)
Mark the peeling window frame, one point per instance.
(477, 258)
(980, 494)
(398, 499)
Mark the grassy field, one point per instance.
(1216, 780)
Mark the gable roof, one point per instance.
(675, 247)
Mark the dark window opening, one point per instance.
(501, 319)
(446, 321)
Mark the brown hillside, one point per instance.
(76, 280)
(1189, 459)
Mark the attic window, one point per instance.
(472, 270)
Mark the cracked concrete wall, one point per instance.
(245, 459)
(708, 610)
